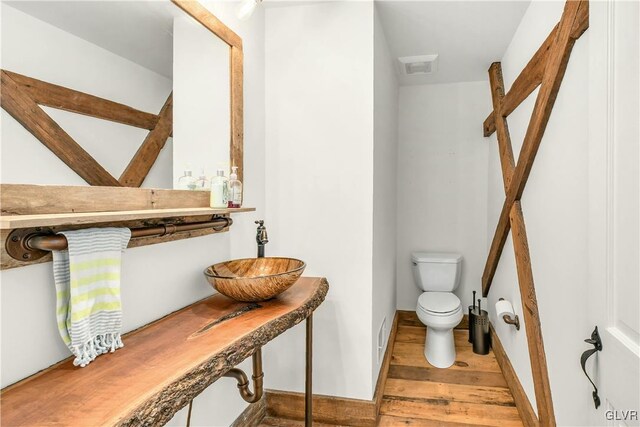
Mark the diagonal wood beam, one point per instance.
(555, 68)
(531, 76)
(138, 168)
(537, 355)
(29, 114)
(237, 109)
(63, 98)
(209, 20)
(523, 260)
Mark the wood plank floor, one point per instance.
(472, 392)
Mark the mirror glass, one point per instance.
(136, 53)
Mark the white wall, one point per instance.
(442, 181)
(157, 279)
(37, 49)
(385, 157)
(319, 171)
(201, 96)
(555, 211)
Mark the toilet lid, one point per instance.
(439, 302)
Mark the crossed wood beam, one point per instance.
(22, 97)
(545, 69)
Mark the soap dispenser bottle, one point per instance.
(219, 190)
(235, 189)
(187, 181)
(202, 183)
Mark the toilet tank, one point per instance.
(436, 271)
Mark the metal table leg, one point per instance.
(308, 393)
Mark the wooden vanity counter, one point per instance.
(162, 366)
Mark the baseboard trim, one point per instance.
(253, 415)
(527, 414)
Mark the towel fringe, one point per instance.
(100, 344)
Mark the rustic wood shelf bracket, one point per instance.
(545, 69)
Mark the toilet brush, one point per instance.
(472, 309)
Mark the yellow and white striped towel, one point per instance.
(87, 277)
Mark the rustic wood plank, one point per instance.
(504, 139)
(29, 199)
(506, 161)
(284, 422)
(27, 112)
(531, 75)
(443, 410)
(554, 72)
(475, 393)
(210, 21)
(144, 159)
(237, 111)
(417, 335)
(326, 409)
(393, 421)
(408, 354)
(527, 414)
(89, 218)
(489, 379)
(62, 98)
(162, 366)
(532, 319)
(410, 318)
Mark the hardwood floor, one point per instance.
(472, 392)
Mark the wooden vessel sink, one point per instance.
(254, 279)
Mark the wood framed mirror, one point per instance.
(50, 100)
(213, 24)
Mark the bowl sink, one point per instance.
(254, 279)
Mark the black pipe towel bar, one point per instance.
(34, 244)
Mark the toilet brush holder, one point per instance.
(480, 326)
(473, 311)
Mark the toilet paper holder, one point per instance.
(511, 321)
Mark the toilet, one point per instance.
(437, 275)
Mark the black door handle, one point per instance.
(597, 344)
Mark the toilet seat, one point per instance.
(439, 303)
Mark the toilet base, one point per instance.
(439, 347)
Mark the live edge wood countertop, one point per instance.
(162, 366)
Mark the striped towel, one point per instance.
(87, 277)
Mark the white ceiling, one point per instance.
(140, 31)
(467, 35)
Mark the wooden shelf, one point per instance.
(162, 365)
(55, 208)
(10, 222)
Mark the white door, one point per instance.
(614, 215)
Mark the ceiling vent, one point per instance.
(416, 65)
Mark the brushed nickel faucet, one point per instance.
(261, 237)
